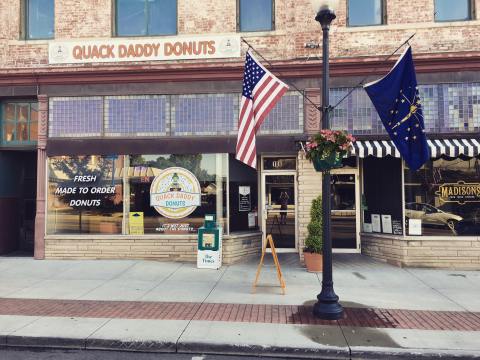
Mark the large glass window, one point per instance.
(255, 15)
(453, 10)
(40, 15)
(19, 123)
(146, 17)
(85, 195)
(365, 12)
(443, 198)
(173, 193)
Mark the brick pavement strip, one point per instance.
(260, 313)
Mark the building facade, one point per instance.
(119, 121)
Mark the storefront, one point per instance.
(426, 218)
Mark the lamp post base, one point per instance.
(327, 307)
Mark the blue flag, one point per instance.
(397, 101)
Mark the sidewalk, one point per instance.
(174, 307)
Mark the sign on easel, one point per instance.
(269, 241)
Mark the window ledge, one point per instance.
(421, 238)
(421, 25)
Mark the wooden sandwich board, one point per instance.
(269, 241)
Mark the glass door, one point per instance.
(279, 213)
(345, 215)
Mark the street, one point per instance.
(46, 354)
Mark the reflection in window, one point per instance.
(255, 15)
(445, 196)
(453, 10)
(365, 12)
(146, 17)
(210, 171)
(19, 123)
(85, 195)
(39, 19)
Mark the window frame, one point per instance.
(239, 25)
(383, 16)
(25, 15)
(15, 141)
(471, 13)
(116, 22)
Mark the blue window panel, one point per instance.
(453, 10)
(75, 117)
(286, 117)
(131, 17)
(162, 17)
(40, 19)
(447, 108)
(256, 15)
(365, 12)
(204, 114)
(139, 115)
(146, 17)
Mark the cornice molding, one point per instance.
(229, 71)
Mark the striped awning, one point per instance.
(447, 147)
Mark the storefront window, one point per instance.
(85, 195)
(171, 194)
(443, 198)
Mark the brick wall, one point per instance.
(451, 253)
(294, 26)
(173, 248)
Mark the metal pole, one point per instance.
(327, 306)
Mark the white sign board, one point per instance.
(376, 226)
(144, 49)
(387, 224)
(414, 227)
(367, 227)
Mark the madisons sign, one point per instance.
(144, 49)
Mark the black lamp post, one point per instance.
(327, 306)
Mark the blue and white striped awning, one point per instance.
(447, 147)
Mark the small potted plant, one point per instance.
(314, 242)
(327, 148)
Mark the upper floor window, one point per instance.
(19, 123)
(453, 10)
(365, 12)
(39, 19)
(255, 15)
(146, 17)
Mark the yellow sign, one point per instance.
(460, 192)
(136, 224)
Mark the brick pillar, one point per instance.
(309, 187)
(39, 252)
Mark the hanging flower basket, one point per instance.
(326, 149)
(331, 161)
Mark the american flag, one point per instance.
(261, 91)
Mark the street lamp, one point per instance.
(327, 306)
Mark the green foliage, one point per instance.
(314, 240)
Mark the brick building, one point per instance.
(102, 96)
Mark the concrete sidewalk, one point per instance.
(141, 286)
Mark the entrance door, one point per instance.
(279, 210)
(345, 220)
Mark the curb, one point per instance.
(327, 352)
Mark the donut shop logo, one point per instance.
(175, 193)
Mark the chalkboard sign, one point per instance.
(397, 227)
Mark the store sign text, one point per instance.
(84, 190)
(147, 49)
(459, 192)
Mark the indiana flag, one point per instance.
(398, 104)
(261, 91)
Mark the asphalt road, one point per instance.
(27, 354)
